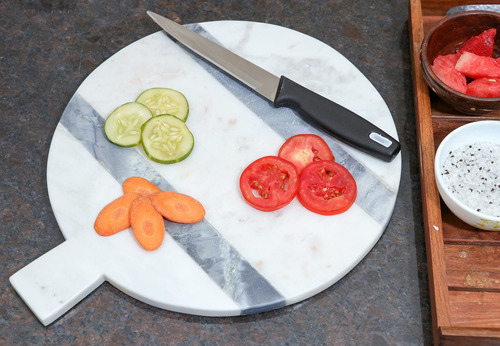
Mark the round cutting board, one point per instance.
(238, 260)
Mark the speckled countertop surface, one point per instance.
(50, 46)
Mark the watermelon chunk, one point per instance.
(476, 66)
(444, 68)
(481, 44)
(484, 87)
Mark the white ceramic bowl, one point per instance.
(475, 132)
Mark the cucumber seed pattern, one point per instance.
(127, 125)
(165, 137)
(165, 101)
(162, 105)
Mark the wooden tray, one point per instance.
(463, 262)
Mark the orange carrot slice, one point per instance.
(114, 217)
(177, 207)
(139, 185)
(148, 225)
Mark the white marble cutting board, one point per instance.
(238, 260)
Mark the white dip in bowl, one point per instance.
(467, 170)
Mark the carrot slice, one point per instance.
(139, 185)
(114, 217)
(177, 207)
(148, 225)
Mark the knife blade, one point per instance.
(329, 116)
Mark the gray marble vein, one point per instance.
(201, 241)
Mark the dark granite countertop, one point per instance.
(50, 46)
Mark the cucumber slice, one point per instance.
(123, 125)
(165, 101)
(166, 139)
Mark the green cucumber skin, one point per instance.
(156, 89)
(156, 159)
(110, 118)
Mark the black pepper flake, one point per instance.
(466, 174)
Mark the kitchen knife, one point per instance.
(281, 91)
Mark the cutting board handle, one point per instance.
(57, 280)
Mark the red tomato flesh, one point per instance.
(269, 183)
(326, 188)
(303, 149)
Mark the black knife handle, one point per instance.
(336, 120)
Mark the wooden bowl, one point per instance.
(444, 38)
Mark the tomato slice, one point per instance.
(326, 188)
(303, 149)
(269, 183)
